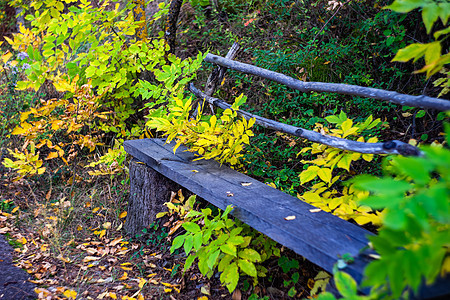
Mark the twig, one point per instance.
(389, 147)
(346, 89)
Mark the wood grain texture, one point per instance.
(148, 192)
(320, 237)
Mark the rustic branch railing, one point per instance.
(347, 89)
(389, 147)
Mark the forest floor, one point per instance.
(75, 247)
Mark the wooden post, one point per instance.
(215, 78)
(148, 192)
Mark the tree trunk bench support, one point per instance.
(316, 235)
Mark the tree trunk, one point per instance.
(171, 24)
(139, 15)
(148, 192)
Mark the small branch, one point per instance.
(389, 147)
(346, 89)
(216, 77)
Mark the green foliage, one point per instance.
(92, 57)
(415, 221)
(432, 10)
(218, 242)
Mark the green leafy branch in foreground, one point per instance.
(416, 226)
(432, 10)
(216, 241)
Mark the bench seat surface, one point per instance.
(318, 236)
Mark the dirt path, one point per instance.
(14, 284)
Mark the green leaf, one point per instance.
(380, 202)
(416, 168)
(404, 6)
(413, 51)
(250, 255)
(229, 249)
(198, 238)
(231, 277)
(345, 284)
(191, 227)
(333, 119)
(189, 261)
(247, 267)
(224, 262)
(188, 244)
(212, 258)
(236, 240)
(383, 186)
(430, 14)
(177, 243)
(326, 296)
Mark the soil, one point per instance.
(14, 284)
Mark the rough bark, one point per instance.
(139, 15)
(346, 89)
(148, 192)
(171, 25)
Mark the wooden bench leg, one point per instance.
(149, 190)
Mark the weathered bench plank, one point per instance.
(318, 236)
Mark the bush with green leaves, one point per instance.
(220, 243)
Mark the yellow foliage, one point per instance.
(27, 163)
(222, 138)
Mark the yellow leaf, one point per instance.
(123, 214)
(70, 294)
(6, 57)
(124, 276)
(308, 174)
(107, 225)
(202, 298)
(345, 161)
(52, 155)
(112, 295)
(15, 209)
(79, 228)
(324, 174)
(142, 282)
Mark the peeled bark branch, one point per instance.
(216, 77)
(389, 147)
(346, 89)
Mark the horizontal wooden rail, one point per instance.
(389, 147)
(347, 89)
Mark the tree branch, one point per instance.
(389, 147)
(216, 77)
(346, 89)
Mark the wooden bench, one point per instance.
(316, 235)
(320, 237)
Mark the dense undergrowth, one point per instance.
(79, 79)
